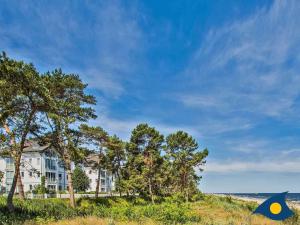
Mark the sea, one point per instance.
(293, 197)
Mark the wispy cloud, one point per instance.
(249, 66)
(104, 45)
(248, 72)
(123, 127)
(260, 166)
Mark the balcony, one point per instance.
(10, 167)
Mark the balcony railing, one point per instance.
(10, 166)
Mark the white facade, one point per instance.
(2, 169)
(106, 179)
(38, 161)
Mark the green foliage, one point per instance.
(210, 210)
(23, 97)
(69, 105)
(1, 176)
(81, 181)
(41, 188)
(51, 108)
(182, 151)
(144, 164)
(116, 156)
(36, 210)
(97, 138)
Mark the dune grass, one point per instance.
(207, 210)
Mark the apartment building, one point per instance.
(38, 161)
(107, 183)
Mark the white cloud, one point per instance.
(123, 128)
(259, 166)
(101, 41)
(249, 66)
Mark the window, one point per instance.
(30, 160)
(102, 173)
(60, 176)
(50, 164)
(30, 187)
(60, 187)
(38, 161)
(102, 182)
(30, 174)
(90, 172)
(9, 175)
(9, 163)
(51, 187)
(38, 174)
(102, 189)
(50, 177)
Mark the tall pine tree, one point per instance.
(185, 157)
(144, 159)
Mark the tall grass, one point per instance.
(208, 210)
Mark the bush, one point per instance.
(48, 209)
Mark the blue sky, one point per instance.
(225, 71)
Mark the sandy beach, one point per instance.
(259, 200)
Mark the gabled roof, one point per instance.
(35, 147)
(91, 160)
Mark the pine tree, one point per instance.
(68, 107)
(97, 137)
(115, 159)
(144, 159)
(185, 157)
(22, 97)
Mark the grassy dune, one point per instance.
(209, 210)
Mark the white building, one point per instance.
(106, 178)
(38, 161)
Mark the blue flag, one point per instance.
(275, 207)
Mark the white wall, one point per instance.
(34, 163)
(105, 180)
(31, 170)
(2, 169)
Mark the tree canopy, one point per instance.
(81, 181)
(54, 108)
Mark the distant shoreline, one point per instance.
(257, 200)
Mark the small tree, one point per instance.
(41, 188)
(81, 181)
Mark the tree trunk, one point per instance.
(98, 183)
(150, 190)
(20, 187)
(186, 187)
(119, 181)
(70, 182)
(71, 189)
(17, 177)
(187, 195)
(11, 193)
